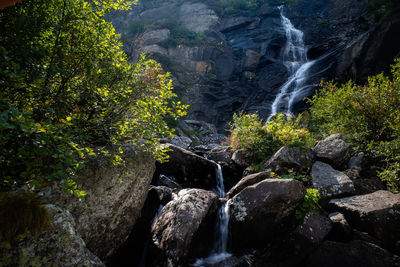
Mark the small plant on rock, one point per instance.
(309, 204)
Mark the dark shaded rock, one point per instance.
(175, 230)
(334, 151)
(136, 246)
(356, 161)
(164, 194)
(59, 246)
(169, 182)
(181, 141)
(116, 194)
(329, 181)
(359, 58)
(247, 181)
(220, 154)
(341, 230)
(189, 169)
(288, 158)
(303, 240)
(260, 211)
(377, 213)
(241, 159)
(353, 254)
(249, 170)
(230, 24)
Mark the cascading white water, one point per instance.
(219, 250)
(294, 58)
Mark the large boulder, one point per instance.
(183, 225)
(59, 246)
(259, 211)
(303, 240)
(329, 181)
(334, 151)
(377, 213)
(197, 17)
(116, 194)
(247, 181)
(355, 253)
(288, 158)
(189, 169)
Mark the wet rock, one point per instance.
(252, 60)
(260, 211)
(189, 169)
(233, 23)
(247, 181)
(164, 194)
(334, 151)
(288, 158)
(176, 229)
(329, 181)
(59, 246)
(116, 194)
(377, 213)
(355, 253)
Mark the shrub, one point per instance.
(309, 204)
(368, 115)
(22, 214)
(260, 140)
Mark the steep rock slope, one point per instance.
(222, 62)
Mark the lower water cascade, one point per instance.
(219, 250)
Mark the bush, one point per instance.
(368, 115)
(68, 91)
(260, 140)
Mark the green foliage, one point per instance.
(259, 140)
(290, 131)
(68, 92)
(21, 214)
(309, 204)
(369, 115)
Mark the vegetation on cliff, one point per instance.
(68, 91)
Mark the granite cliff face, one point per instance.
(223, 63)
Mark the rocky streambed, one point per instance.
(168, 214)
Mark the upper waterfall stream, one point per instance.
(295, 59)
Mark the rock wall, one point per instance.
(237, 65)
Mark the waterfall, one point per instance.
(294, 58)
(219, 250)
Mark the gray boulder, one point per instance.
(189, 169)
(333, 150)
(181, 223)
(59, 246)
(341, 230)
(197, 17)
(240, 158)
(356, 253)
(288, 158)
(221, 154)
(377, 213)
(156, 36)
(260, 211)
(247, 181)
(116, 194)
(329, 181)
